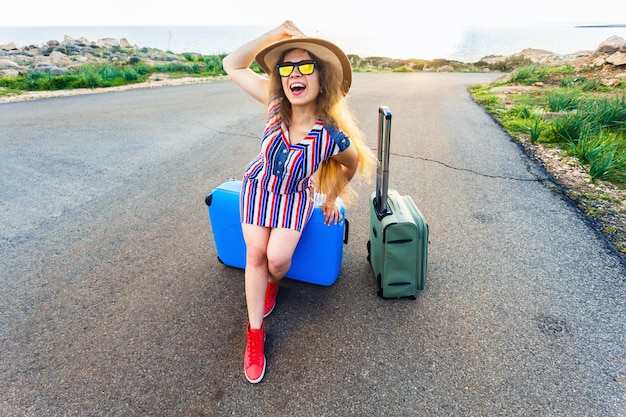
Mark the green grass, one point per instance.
(569, 127)
(112, 74)
(563, 99)
(536, 129)
(605, 112)
(602, 155)
(586, 120)
(86, 76)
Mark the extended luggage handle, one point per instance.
(382, 170)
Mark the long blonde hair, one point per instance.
(333, 108)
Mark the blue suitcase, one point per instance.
(317, 258)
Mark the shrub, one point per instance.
(532, 73)
(603, 155)
(563, 100)
(403, 68)
(510, 63)
(590, 85)
(88, 77)
(188, 56)
(536, 129)
(606, 112)
(214, 65)
(570, 82)
(569, 128)
(37, 80)
(524, 75)
(171, 67)
(521, 111)
(561, 70)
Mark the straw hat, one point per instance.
(326, 51)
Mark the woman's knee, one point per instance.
(256, 256)
(256, 239)
(278, 264)
(280, 248)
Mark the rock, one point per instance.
(49, 68)
(531, 52)
(108, 42)
(618, 58)
(60, 59)
(609, 82)
(578, 54)
(612, 44)
(7, 64)
(56, 70)
(540, 56)
(599, 61)
(9, 73)
(493, 59)
(9, 47)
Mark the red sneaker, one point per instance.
(254, 358)
(270, 298)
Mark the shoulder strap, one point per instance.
(338, 137)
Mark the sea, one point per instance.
(466, 44)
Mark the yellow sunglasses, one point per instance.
(304, 67)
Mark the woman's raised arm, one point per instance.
(237, 64)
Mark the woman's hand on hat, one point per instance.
(289, 30)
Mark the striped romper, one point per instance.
(277, 188)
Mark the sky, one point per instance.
(396, 22)
(346, 14)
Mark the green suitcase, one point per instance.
(398, 236)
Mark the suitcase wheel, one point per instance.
(379, 283)
(222, 262)
(369, 251)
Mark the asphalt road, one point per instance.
(112, 301)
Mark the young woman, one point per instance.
(311, 144)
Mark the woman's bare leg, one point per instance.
(268, 256)
(256, 273)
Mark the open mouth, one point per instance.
(297, 87)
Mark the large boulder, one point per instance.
(612, 44)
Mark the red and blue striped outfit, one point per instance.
(277, 189)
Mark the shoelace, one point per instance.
(255, 347)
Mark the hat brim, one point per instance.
(324, 50)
